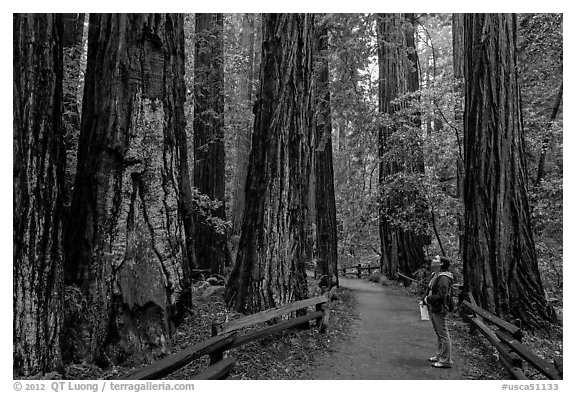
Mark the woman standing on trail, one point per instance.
(437, 299)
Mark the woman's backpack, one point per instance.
(449, 299)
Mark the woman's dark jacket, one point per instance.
(438, 292)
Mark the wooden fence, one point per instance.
(358, 270)
(507, 339)
(226, 336)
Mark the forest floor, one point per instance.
(374, 333)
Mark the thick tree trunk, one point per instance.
(325, 203)
(402, 250)
(244, 138)
(270, 267)
(38, 180)
(209, 137)
(500, 265)
(127, 246)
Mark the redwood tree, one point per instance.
(270, 266)
(127, 242)
(325, 204)
(500, 264)
(209, 137)
(248, 38)
(401, 247)
(458, 60)
(38, 180)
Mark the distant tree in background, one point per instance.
(249, 41)
(38, 179)
(209, 174)
(270, 266)
(402, 247)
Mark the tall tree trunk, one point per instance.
(500, 265)
(38, 181)
(325, 203)
(209, 137)
(413, 80)
(413, 242)
(270, 266)
(130, 227)
(401, 249)
(458, 59)
(247, 43)
(413, 86)
(546, 141)
(458, 45)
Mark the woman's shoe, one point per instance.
(441, 365)
(433, 359)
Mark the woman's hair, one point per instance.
(445, 262)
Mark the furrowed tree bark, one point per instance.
(270, 266)
(325, 203)
(402, 250)
(458, 59)
(38, 181)
(243, 139)
(209, 137)
(500, 265)
(129, 238)
(413, 80)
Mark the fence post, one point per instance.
(320, 320)
(359, 273)
(215, 356)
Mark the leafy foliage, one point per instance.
(540, 61)
(206, 208)
(407, 207)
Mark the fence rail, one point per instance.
(174, 362)
(226, 337)
(507, 340)
(358, 269)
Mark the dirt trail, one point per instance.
(389, 340)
